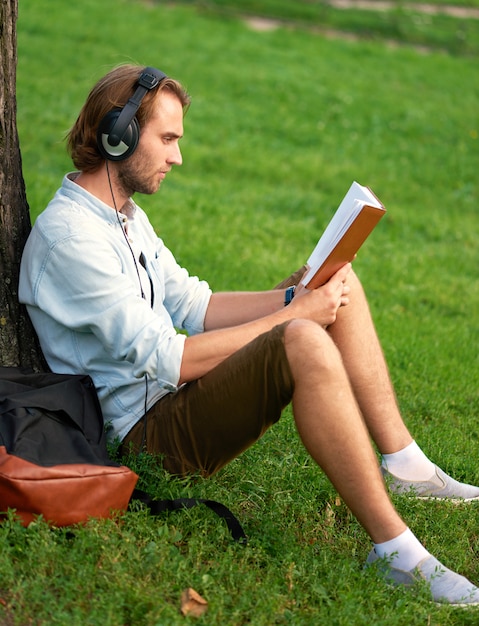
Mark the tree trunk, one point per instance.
(18, 342)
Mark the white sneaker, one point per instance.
(446, 586)
(440, 485)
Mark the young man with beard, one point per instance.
(107, 298)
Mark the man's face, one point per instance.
(158, 149)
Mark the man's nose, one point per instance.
(175, 157)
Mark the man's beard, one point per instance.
(131, 177)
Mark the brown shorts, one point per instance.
(209, 422)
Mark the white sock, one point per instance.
(410, 463)
(404, 551)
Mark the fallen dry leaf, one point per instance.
(192, 603)
(330, 515)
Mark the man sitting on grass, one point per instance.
(106, 298)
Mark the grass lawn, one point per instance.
(281, 123)
(443, 25)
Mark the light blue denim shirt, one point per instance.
(82, 290)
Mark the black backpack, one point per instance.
(53, 455)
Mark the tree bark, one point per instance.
(18, 342)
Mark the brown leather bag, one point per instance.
(53, 455)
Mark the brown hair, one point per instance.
(110, 92)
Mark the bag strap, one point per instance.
(157, 507)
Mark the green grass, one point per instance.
(281, 123)
(402, 22)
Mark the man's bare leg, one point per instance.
(355, 335)
(331, 426)
(332, 429)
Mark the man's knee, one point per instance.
(353, 282)
(309, 339)
(300, 329)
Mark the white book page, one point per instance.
(352, 203)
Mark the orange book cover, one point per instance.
(354, 220)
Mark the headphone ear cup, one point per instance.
(127, 145)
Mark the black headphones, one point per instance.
(119, 132)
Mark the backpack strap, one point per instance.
(157, 507)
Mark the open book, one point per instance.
(355, 218)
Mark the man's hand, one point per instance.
(322, 304)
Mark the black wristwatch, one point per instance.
(289, 294)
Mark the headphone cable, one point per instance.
(143, 440)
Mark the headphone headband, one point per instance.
(149, 79)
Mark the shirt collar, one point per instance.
(92, 203)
